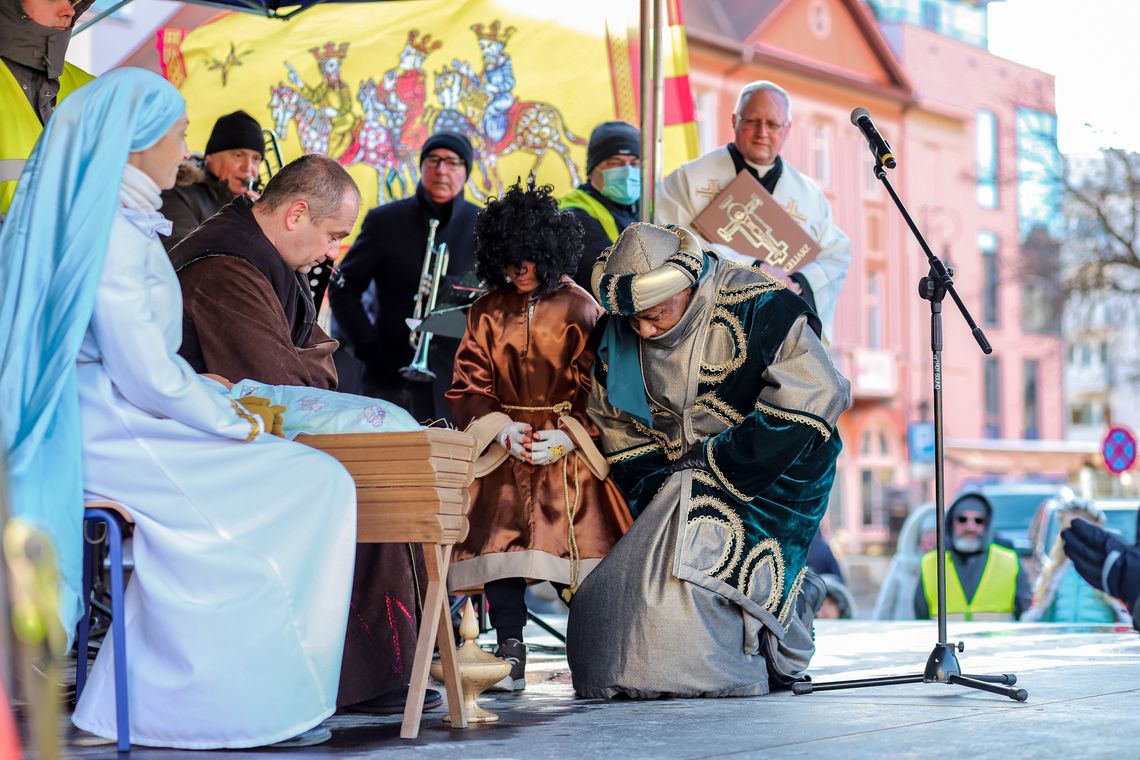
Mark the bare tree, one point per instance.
(1102, 201)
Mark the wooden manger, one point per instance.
(412, 488)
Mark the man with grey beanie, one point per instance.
(231, 167)
(610, 198)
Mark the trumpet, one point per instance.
(435, 263)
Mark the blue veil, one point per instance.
(52, 247)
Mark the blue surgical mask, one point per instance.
(622, 184)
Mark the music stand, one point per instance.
(942, 665)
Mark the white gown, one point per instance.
(685, 193)
(243, 551)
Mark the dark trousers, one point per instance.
(507, 601)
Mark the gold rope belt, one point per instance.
(562, 407)
(571, 513)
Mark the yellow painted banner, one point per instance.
(366, 84)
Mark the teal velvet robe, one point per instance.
(745, 376)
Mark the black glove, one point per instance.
(1105, 561)
(694, 459)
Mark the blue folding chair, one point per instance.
(109, 514)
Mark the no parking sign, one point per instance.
(1118, 449)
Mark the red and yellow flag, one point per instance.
(526, 82)
(624, 41)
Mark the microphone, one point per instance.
(862, 119)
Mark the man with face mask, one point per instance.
(231, 167)
(34, 78)
(610, 198)
(984, 580)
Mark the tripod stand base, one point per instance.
(941, 667)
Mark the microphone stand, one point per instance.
(942, 665)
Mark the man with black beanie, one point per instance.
(389, 255)
(231, 167)
(610, 198)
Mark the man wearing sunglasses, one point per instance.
(984, 579)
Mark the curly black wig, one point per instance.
(526, 225)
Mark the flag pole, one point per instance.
(647, 110)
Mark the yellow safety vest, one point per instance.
(581, 199)
(22, 125)
(994, 597)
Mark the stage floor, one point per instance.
(1083, 683)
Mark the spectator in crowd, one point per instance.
(761, 123)
(388, 256)
(610, 198)
(1106, 563)
(34, 78)
(1060, 594)
(231, 168)
(984, 580)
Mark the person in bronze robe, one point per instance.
(547, 512)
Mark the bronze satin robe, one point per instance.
(522, 353)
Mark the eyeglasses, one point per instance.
(976, 519)
(754, 125)
(433, 162)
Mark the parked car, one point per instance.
(1060, 594)
(1119, 518)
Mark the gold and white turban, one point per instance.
(646, 266)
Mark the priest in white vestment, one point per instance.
(761, 121)
(243, 542)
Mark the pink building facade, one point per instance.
(967, 127)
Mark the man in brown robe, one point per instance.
(248, 313)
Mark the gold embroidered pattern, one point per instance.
(716, 471)
(245, 415)
(611, 295)
(672, 448)
(793, 592)
(694, 261)
(770, 549)
(734, 547)
(803, 419)
(732, 296)
(633, 453)
(705, 479)
(719, 408)
(726, 320)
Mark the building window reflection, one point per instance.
(992, 392)
(1032, 416)
(991, 279)
(986, 158)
